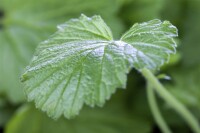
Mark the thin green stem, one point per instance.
(155, 110)
(171, 100)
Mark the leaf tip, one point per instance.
(23, 77)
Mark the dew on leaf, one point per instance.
(80, 66)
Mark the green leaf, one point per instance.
(81, 63)
(153, 42)
(28, 119)
(26, 23)
(75, 64)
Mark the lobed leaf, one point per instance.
(153, 41)
(81, 63)
(25, 23)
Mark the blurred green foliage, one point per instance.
(24, 23)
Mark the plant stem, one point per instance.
(155, 110)
(172, 101)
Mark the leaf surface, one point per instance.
(81, 63)
(25, 23)
(153, 41)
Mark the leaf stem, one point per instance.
(171, 100)
(155, 110)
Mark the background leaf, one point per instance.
(141, 10)
(191, 33)
(185, 86)
(112, 118)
